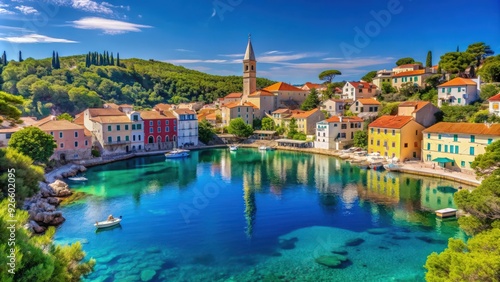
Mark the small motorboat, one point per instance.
(78, 178)
(176, 154)
(263, 148)
(233, 148)
(392, 167)
(108, 223)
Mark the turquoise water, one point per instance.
(251, 216)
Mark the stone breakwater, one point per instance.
(42, 207)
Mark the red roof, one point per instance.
(280, 86)
(344, 119)
(417, 105)
(311, 85)
(261, 93)
(305, 114)
(391, 121)
(458, 81)
(368, 101)
(410, 73)
(362, 84)
(495, 98)
(233, 95)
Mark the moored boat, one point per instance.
(175, 154)
(392, 167)
(233, 148)
(108, 223)
(78, 178)
(448, 212)
(376, 165)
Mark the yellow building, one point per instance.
(395, 137)
(264, 100)
(111, 130)
(456, 145)
(306, 120)
(416, 77)
(238, 110)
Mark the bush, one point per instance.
(95, 153)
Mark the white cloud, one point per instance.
(347, 64)
(332, 59)
(183, 50)
(195, 61)
(232, 55)
(284, 58)
(27, 10)
(6, 12)
(91, 6)
(107, 25)
(2, 5)
(15, 28)
(35, 38)
(276, 52)
(106, 4)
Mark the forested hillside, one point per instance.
(70, 86)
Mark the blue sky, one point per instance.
(294, 40)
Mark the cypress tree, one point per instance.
(58, 64)
(458, 49)
(428, 62)
(101, 59)
(20, 56)
(4, 58)
(112, 62)
(53, 59)
(118, 59)
(107, 59)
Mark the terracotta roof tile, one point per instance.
(111, 119)
(409, 73)
(464, 128)
(391, 121)
(495, 98)
(87, 132)
(305, 114)
(162, 107)
(364, 85)
(281, 111)
(147, 115)
(282, 86)
(185, 112)
(311, 85)
(238, 104)
(417, 105)
(405, 66)
(233, 95)
(344, 119)
(79, 119)
(58, 125)
(368, 101)
(211, 116)
(95, 112)
(458, 81)
(261, 93)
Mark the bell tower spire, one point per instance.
(249, 71)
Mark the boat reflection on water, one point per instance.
(107, 229)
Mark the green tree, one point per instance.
(299, 136)
(361, 139)
(387, 88)
(36, 259)
(239, 128)
(312, 101)
(82, 98)
(65, 116)
(20, 57)
(9, 106)
(488, 162)
(4, 58)
(455, 62)
(268, 124)
(459, 113)
(28, 174)
(479, 51)
(404, 61)
(292, 128)
(476, 260)
(118, 60)
(408, 89)
(33, 142)
(256, 123)
(428, 60)
(369, 76)
(389, 109)
(488, 91)
(205, 131)
(490, 70)
(329, 75)
(434, 80)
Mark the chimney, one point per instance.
(340, 117)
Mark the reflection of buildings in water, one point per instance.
(381, 187)
(302, 171)
(437, 194)
(250, 206)
(215, 169)
(225, 167)
(322, 173)
(350, 195)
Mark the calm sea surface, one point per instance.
(257, 216)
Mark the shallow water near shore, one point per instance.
(251, 215)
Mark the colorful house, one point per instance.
(395, 137)
(334, 107)
(358, 89)
(456, 145)
(422, 112)
(73, 141)
(459, 91)
(160, 130)
(306, 120)
(494, 105)
(264, 101)
(111, 130)
(337, 132)
(414, 77)
(366, 108)
(233, 110)
(287, 96)
(382, 76)
(187, 127)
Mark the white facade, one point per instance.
(336, 132)
(354, 90)
(137, 138)
(187, 127)
(460, 92)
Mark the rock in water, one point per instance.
(60, 188)
(354, 242)
(377, 231)
(332, 260)
(288, 244)
(147, 274)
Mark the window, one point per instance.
(439, 136)
(175, 128)
(459, 90)
(462, 163)
(459, 99)
(150, 130)
(415, 78)
(446, 148)
(133, 126)
(457, 149)
(51, 133)
(136, 118)
(394, 144)
(395, 80)
(159, 122)
(109, 127)
(385, 143)
(166, 122)
(370, 129)
(439, 147)
(86, 142)
(175, 121)
(127, 138)
(61, 145)
(393, 132)
(455, 138)
(471, 151)
(385, 131)
(452, 149)
(371, 142)
(472, 138)
(76, 144)
(442, 90)
(139, 127)
(158, 129)
(239, 109)
(133, 137)
(60, 134)
(378, 130)
(110, 139)
(126, 126)
(118, 127)
(489, 141)
(406, 145)
(378, 142)
(76, 134)
(428, 136)
(415, 144)
(150, 123)
(118, 138)
(428, 146)
(167, 129)
(416, 132)
(139, 136)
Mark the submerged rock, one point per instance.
(377, 231)
(354, 242)
(147, 274)
(431, 240)
(331, 260)
(400, 237)
(288, 244)
(339, 252)
(206, 259)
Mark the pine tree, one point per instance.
(428, 62)
(118, 59)
(53, 59)
(20, 56)
(112, 60)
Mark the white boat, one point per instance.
(392, 167)
(448, 212)
(266, 148)
(108, 223)
(345, 156)
(233, 148)
(175, 154)
(78, 178)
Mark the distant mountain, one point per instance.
(74, 87)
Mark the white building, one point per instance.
(494, 104)
(358, 89)
(187, 127)
(337, 132)
(137, 143)
(459, 91)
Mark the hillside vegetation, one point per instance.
(74, 87)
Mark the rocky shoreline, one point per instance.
(42, 207)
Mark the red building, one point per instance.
(160, 130)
